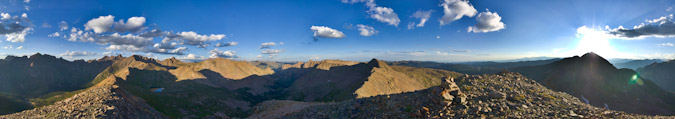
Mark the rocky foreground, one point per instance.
(505, 95)
(106, 101)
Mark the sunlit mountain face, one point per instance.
(292, 59)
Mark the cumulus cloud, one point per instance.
(165, 45)
(381, 14)
(661, 27)
(326, 32)
(100, 24)
(63, 25)
(455, 10)
(215, 53)
(192, 38)
(78, 53)
(26, 1)
(14, 28)
(133, 24)
(384, 14)
(192, 57)
(423, 16)
(487, 22)
(366, 30)
(226, 44)
(132, 35)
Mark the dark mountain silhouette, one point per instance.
(593, 79)
(663, 74)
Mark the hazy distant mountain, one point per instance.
(512, 64)
(663, 74)
(635, 64)
(473, 67)
(593, 78)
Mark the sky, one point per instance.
(357, 30)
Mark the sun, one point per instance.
(597, 41)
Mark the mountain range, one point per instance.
(43, 86)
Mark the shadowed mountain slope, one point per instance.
(41, 75)
(663, 74)
(597, 82)
(339, 80)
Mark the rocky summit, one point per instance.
(504, 95)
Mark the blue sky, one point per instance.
(527, 28)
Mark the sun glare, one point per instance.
(593, 40)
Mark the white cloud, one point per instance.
(26, 1)
(165, 45)
(669, 9)
(215, 53)
(423, 16)
(384, 14)
(78, 53)
(55, 34)
(438, 37)
(63, 25)
(15, 28)
(366, 30)
(18, 36)
(19, 48)
(487, 22)
(193, 57)
(100, 24)
(326, 32)
(134, 25)
(667, 44)
(192, 38)
(226, 44)
(455, 10)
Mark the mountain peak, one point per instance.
(590, 54)
(38, 55)
(377, 63)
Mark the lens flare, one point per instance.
(635, 79)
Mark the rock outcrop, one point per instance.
(524, 99)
